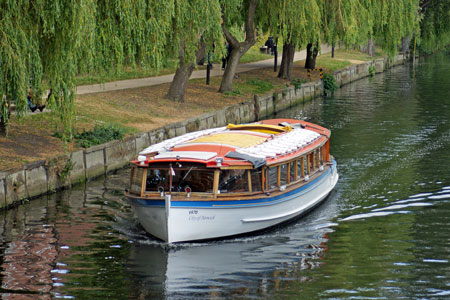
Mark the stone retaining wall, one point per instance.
(47, 176)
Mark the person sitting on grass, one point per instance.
(33, 106)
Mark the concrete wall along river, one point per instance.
(47, 176)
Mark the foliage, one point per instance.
(297, 83)
(65, 171)
(345, 21)
(356, 21)
(329, 84)
(294, 21)
(99, 135)
(20, 64)
(371, 70)
(435, 25)
(191, 25)
(237, 14)
(52, 41)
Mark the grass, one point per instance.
(331, 64)
(253, 54)
(342, 58)
(350, 54)
(254, 86)
(128, 72)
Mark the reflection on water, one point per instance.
(253, 265)
(382, 234)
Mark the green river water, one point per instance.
(382, 234)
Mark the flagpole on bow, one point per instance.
(168, 198)
(171, 172)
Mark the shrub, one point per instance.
(371, 71)
(99, 135)
(329, 84)
(297, 83)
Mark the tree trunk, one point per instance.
(371, 47)
(287, 61)
(311, 55)
(2, 127)
(230, 69)
(332, 50)
(406, 41)
(180, 81)
(238, 48)
(184, 71)
(4, 106)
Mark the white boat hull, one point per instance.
(193, 221)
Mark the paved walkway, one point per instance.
(216, 71)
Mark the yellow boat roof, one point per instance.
(232, 138)
(265, 128)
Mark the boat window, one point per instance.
(256, 176)
(309, 159)
(321, 156)
(283, 174)
(233, 181)
(316, 159)
(199, 180)
(292, 170)
(301, 167)
(136, 180)
(273, 177)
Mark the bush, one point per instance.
(297, 83)
(329, 84)
(371, 71)
(99, 135)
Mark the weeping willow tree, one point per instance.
(435, 25)
(194, 32)
(338, 24)
(240, 14)
(52, 41)
(356, 22)
(393, 20)
(296, 22)
(20, 57)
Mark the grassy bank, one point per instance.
(142, 109)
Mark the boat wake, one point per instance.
(405, 206)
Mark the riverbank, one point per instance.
(203, 108)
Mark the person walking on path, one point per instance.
(225, 59)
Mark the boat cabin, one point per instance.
(237, 161)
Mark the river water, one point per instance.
(382, 234)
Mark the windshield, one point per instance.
(198, 180)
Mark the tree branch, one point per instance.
(230, 38)
(424, 3)
(250, 24)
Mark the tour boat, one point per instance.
(231, 180)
